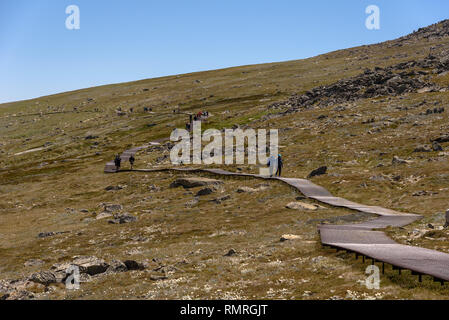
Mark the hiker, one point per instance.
(117, 162)
(280, 164)
(131, 161)
(272, 163)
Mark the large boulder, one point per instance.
(318, 172)
(195, 182)
(90, 265)
(43, 277)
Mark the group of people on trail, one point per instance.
(200, 115)
(118, 161)
(275, 163)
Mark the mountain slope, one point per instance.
(352, 110)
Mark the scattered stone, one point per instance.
(246, 189)
(318, 172)
(230, 253)
(442, 139)
(43, 277)
(206, 191)
(221, 199)
(158, 277)
(287, 237)
(18, 295)
(423, 193)
(195, 182)
(123, 218)
(34, 263)
(192, 203)
(447, 219)
(153, 188)
(436, 146)
(117, 266)
(134, 265)
(49, 234)
(114, 188)
(301, 206)
(397, 160)
(103, 215)
(424, 148)
(112, 207)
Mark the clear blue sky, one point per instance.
(136, 39)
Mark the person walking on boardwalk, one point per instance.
(272, 163)
(117, 162)
(280, 164)
(131, 161)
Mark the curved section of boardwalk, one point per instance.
(361, 238)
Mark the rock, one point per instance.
(18, 295)
(397, 160)
(33, 263)
(49, 234)
(158, 278)
(44, 277)
(195, 182)
(103, 215)
(112, 207)
(436, 146)
(206, 191)
(114, 188)
(442, 139)
(318, 172)
(123, 218)
(91, 137)
(447, 219)
(153, 188)
(424, 148)
(90, 265)
(221, 199)
(192, 203)
(117, 266)
(430, 226)
(246, 189)
(230, 253)
(287, 237)
(134, 265)
(301, 206)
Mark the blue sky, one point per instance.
(137, 39)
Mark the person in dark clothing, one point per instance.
(131, 161)
(117, 162)
(280, 164)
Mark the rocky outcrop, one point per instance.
(390, 81)
(123, 218)
(195, 182)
